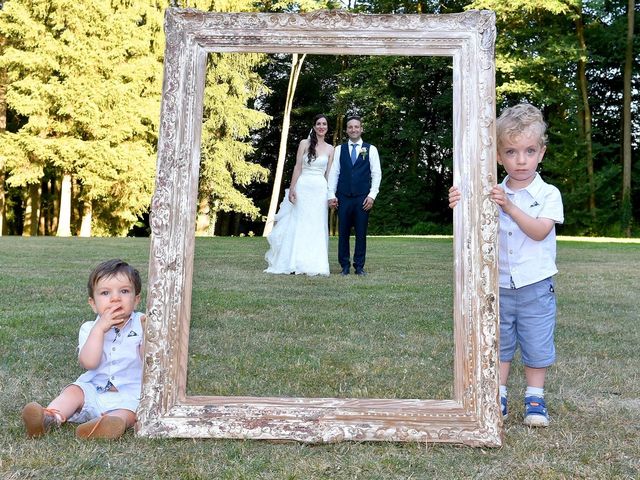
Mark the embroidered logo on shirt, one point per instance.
(534, 204)
(108, 387)
(132, 334)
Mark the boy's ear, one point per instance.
(137, 299)
(543, 150)
(93, 305)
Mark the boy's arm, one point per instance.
(534, 228)
(90, 354)
(143, 321)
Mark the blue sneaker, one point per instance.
(535, 412)
(503, 407)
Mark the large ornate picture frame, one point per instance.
(472, 416)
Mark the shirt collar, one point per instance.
(533, 188)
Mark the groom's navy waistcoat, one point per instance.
(354, 179)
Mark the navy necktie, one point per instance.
(353, 153)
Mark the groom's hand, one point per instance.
(333, 203)
(367, 204)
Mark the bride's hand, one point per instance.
(292, 195)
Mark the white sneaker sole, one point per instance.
(535, 420)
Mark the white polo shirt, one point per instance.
(521, 259)
(121, 363)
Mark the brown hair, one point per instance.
(313, 138)
(111, 268)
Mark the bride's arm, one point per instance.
(297, 170)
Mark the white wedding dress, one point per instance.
(299, 241)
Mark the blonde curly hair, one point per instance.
(521, 118)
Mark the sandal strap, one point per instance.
(96, 426)
(55, 413)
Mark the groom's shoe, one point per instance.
(360, 271)
(345, 271)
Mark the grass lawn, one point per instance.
(386, 335)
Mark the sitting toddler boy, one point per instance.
(104, 399)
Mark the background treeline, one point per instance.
(80, 87)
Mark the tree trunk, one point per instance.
(3, 206)
(44, 207)
(64, 222)
(627, 207)
(333, 214)
(32, 211)
(85, 224)
(3, 128)
(296, 66)
(213, 220)
(586, 113)
(203, 219)
(54, 211)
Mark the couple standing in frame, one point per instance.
(346, 178)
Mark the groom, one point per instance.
(354, 181)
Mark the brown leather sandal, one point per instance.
(106, 426)
(38, 420)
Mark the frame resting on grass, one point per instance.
(473, 416)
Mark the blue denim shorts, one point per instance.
(528, 319)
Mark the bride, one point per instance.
(299, 241)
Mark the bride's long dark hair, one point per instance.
(313, 138)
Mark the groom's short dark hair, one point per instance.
(354, 117)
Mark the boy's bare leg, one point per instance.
(70, 401)
(535, 376)
(38, 420)
(504, 372)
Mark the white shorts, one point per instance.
(97, 403)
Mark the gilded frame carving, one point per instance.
(472, 417)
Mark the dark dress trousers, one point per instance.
(354, 184)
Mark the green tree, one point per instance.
(84, 80)
(567, 57)
(228, 121)
(541, 57)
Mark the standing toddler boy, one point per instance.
(529, 210)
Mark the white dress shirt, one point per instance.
(121, 364)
